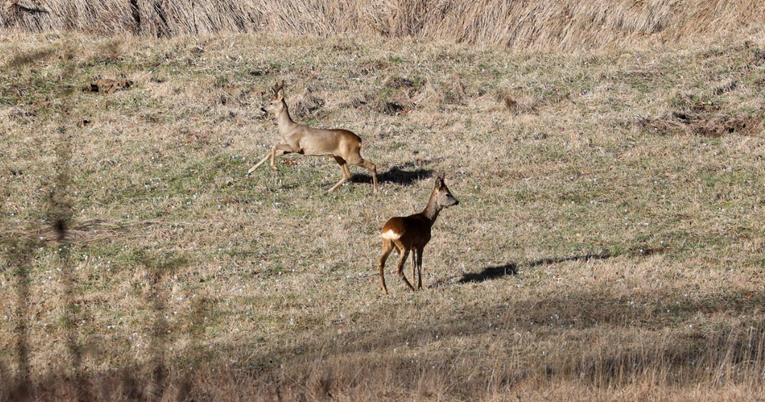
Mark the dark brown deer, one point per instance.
(343, 145)
(412, 233)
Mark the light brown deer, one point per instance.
(412, 233)
(343, 145)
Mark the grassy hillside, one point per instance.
(519, 25)
(608, 244)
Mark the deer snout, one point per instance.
(456, 202)
(263, 110)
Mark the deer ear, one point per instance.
(439, 180)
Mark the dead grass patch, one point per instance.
(306, 104)
(21, 59)
(519, 105)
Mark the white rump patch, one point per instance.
(390, 235)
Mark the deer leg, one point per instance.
(400, 251)
(372, 169)
(279, 150)
(414, 265)
(419, 267)
(262, 161)
(403, 253)
(359, 161)
(387, 249)
(343, 167)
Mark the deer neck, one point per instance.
(284, 121)
(432, 209)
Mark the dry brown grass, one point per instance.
(605, 247)
(565, 25)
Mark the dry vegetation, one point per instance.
(609, 242)
(565, 24)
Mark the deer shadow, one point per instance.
(511, 268)
(488, 273)
(396, 174)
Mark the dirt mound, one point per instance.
(395, 82)
(714, 126)
(108, 86)
(720, 125)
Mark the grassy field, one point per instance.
(609, 242)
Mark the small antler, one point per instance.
(278, 87)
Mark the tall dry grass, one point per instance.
(563, 25)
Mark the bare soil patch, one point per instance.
(702, 124)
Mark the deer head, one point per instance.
(276, 105)
(443, 197)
